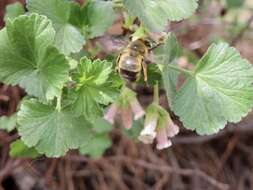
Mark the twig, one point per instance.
(242, 127)
(165, 168)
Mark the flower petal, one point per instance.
(137, 109)
(126, 117)
(162, 139)
(148, 134)
(111, 113)
(172, 129)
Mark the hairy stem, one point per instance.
(156, 93)
(176, 68)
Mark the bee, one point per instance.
(132, 61)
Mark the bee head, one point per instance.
(138, 46)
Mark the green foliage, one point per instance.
(94, 87)
(74, 23)
(102, 126)
(235, 3)
(97, 146)
(165, 55)
(28, 58)
(13, 11)
(51, 132)
(219, 90)
(66, 98)
(95, 18)
(68, 38)
(20, 150)
(155, 15)
(8, 123)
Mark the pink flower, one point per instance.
(127, 107)
(172, 129)
(162, 139)
(158, 125)
(126, 118)
(136, 109)
(111, 113)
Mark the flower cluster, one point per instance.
(158, 125)
(127, 107)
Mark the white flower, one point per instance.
(148, 134)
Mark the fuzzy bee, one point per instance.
(132, 61)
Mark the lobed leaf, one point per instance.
(20, 150)
(51, 132)
(167, 54)
(155, 13)
(97, 146)
(28, 58)
(100, 16)
(68, 38)
(94, 87)
(220, 90)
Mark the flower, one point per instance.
(126, 117)
(111, 113)
(162, 139)
(148, 134)
(136, 109)
(127, 107)
(158, 125)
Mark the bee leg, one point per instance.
(117, 63)
(145, 71)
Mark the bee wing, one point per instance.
(112, 44)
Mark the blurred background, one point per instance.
(220, 161)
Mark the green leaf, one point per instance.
(18, 149)
(68, 38)
(219, 91)
(165, 55)
(155, 14)
(235, 3)
(97, 146)
(94, 18)
(51, 132)
(100, 16)
(27, 57)
(94, 87)
(102, 126)
(13, 11)
(8, 123)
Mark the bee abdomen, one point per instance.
(129, 75)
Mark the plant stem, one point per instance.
(156, 93)
(176, 68)
(117, 4)
(58, 104)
